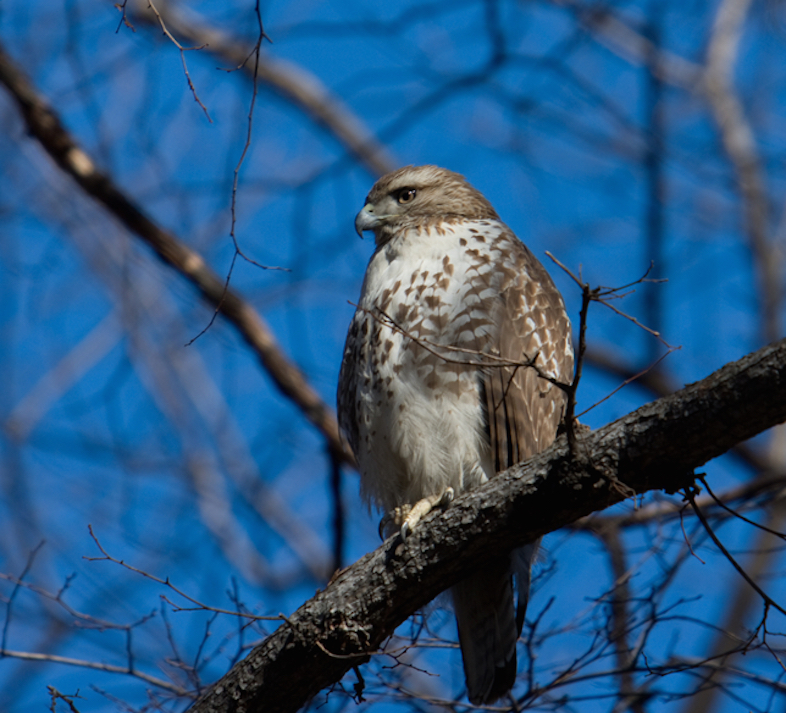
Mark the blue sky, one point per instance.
(186, 460)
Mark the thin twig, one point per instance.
(85, 620)
(55, 695)
(122, 6)
(97, 666)
(238, 252)
(44, 124)
(769, 600)
(487, 361)
(629, 380)
(199, 606)
(30, 559)
(736, 514)
(249, 132)
(570, 408)
(183, 51)
(685, 535)
(299, 87)
(604, 294)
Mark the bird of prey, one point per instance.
(438, 392)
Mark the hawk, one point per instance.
(437, 392)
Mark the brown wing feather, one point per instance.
(523, 412)
(523, 409)
(347, 381)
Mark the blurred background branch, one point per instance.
(44, 124)
(617, 136)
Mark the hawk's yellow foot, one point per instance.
(405, 517)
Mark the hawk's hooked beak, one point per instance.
(366, 220)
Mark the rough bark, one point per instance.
(656, 447)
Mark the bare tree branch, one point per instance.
(714, 81)
(740, 144)
(740, 602)
(45, 125)
(758, 494)
(619, 600)
(98, 666)
(656, 447)
(659, 383)
(183, 51)
(287, 79)
(619, 37)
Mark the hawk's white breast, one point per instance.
(420, 420)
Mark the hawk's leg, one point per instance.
(405, 517)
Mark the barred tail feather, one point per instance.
(485, 615)
(489, 622)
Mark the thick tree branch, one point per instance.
(656, 447)
(659, 383)
(45, 125)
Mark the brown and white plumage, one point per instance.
(434, 393)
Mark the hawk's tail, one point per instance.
(489, 624)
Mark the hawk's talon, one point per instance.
(404, 531)
(447, 498)
(387, 519)
(391, 521)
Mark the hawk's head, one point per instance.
(418, 194)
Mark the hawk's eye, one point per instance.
(406, 195)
